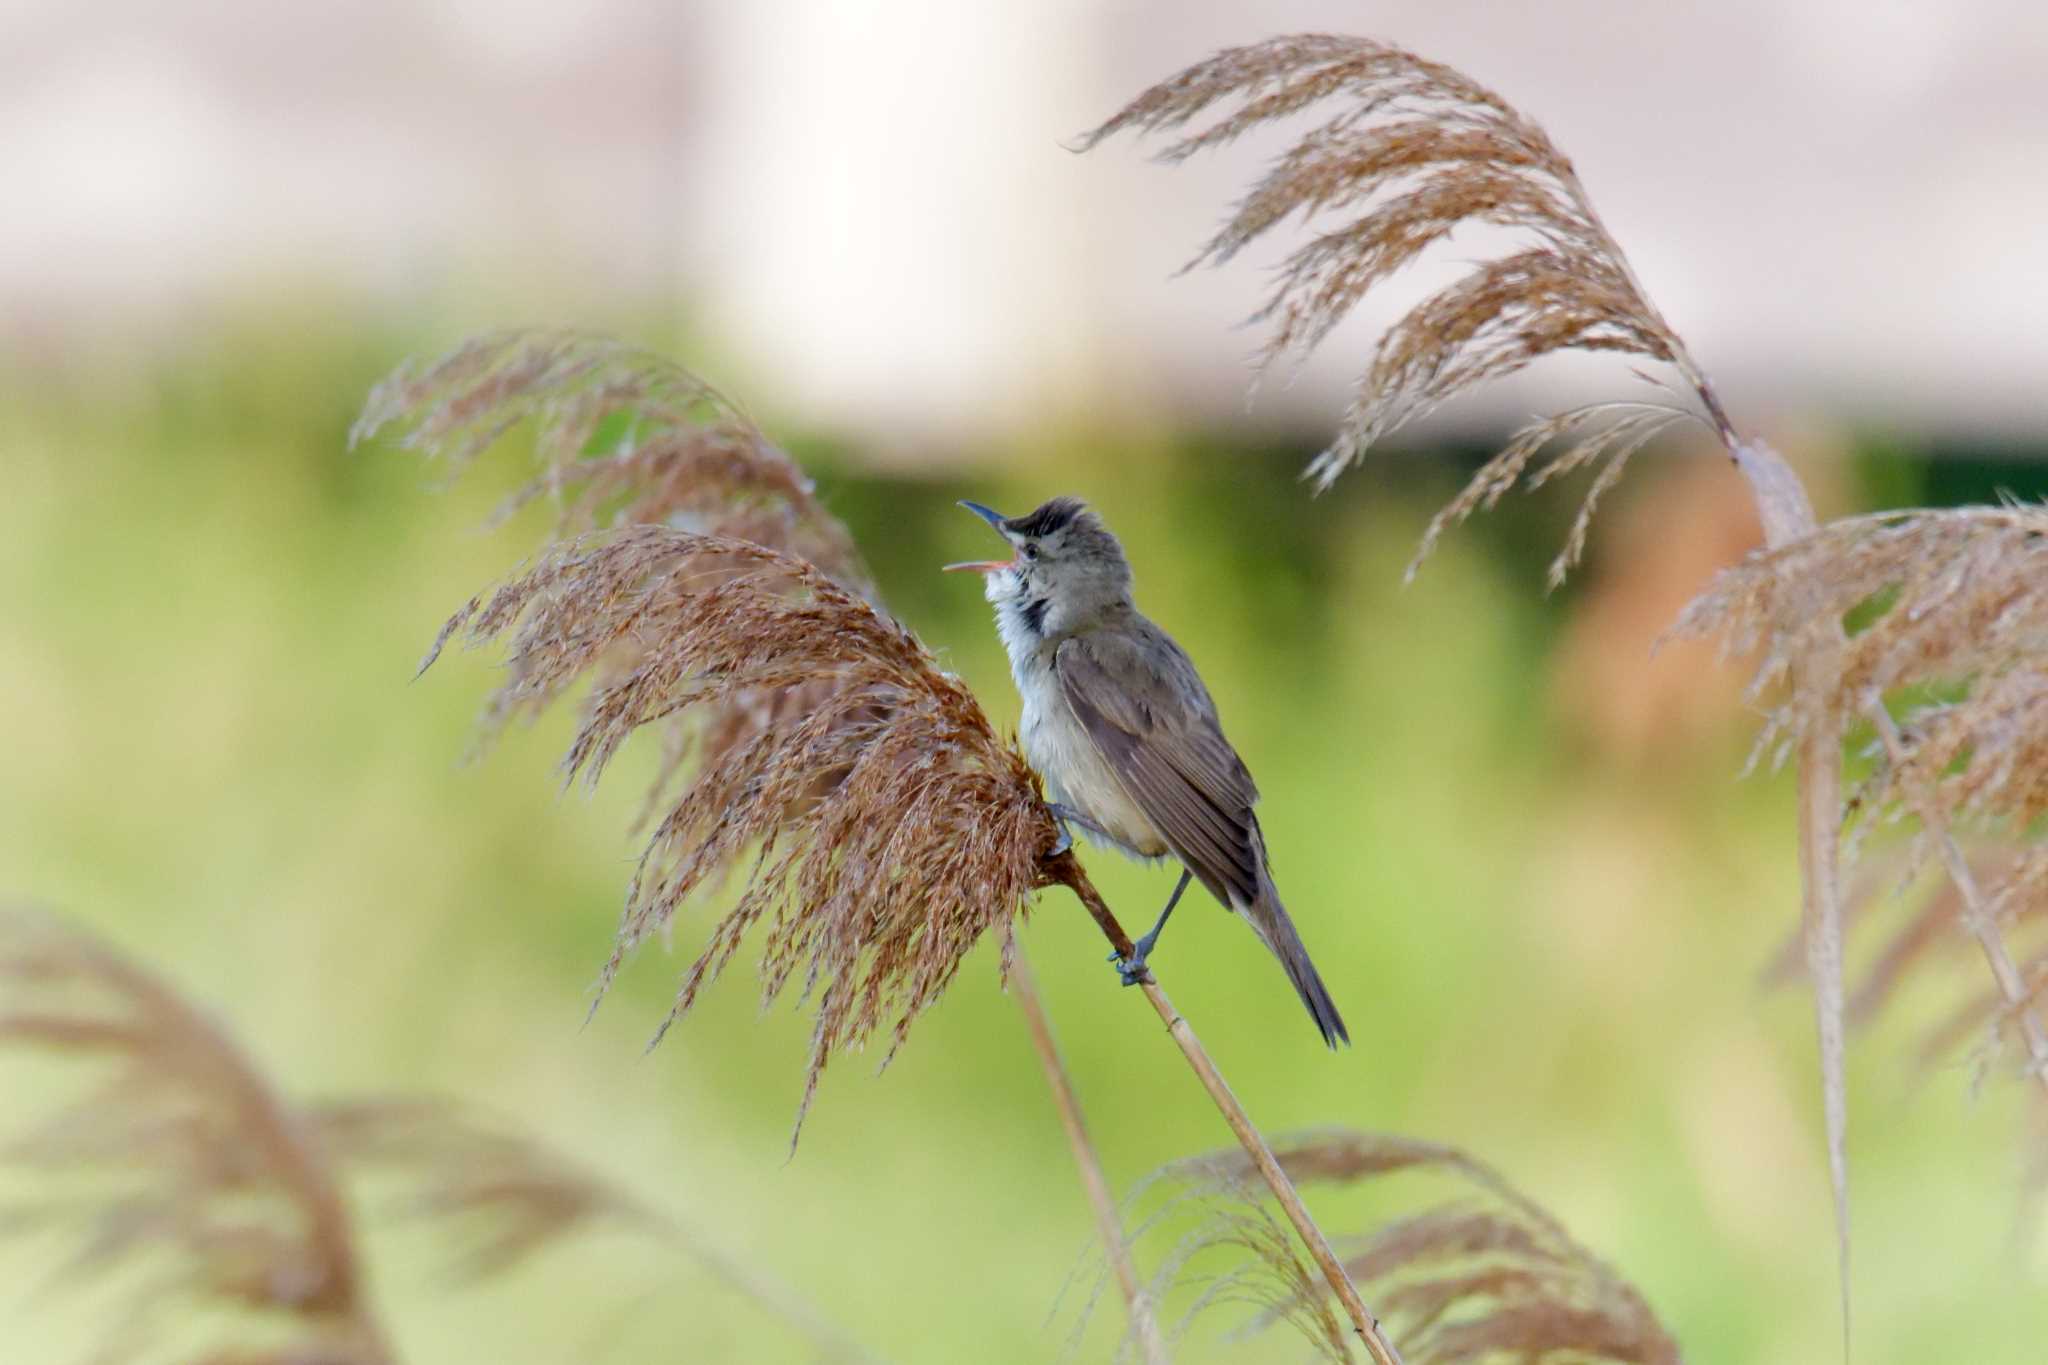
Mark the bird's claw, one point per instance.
(1132, 970)
(1065, 842)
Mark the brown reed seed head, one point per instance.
(1938, 611)
(1928, 629)
(874, 888)
(181, 1155)
(1484, 1275)
(622, 436)
(1915, 926)
(1413, 151)
(508, 1194)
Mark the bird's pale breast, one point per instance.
(1077, 773)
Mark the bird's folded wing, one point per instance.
(1159, 734)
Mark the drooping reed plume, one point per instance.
(626, 437)
(1411, 151)
(622, 436)
(186, 1174)
(872, 891)
(1926, 631)
(1480, 1273)
(502, 1195)
(874, 888)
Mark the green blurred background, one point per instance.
(1517, 845)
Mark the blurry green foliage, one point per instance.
(214, 753)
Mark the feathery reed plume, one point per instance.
(505, 1196)
(1414, 151)
(680, 454)
(1929, 630)
(1417, 150)
(1922, 933)
(873, 890)
(193, 1174)
(622, 435)
(1954, 642)
(506, 1193)
(1486, 1274)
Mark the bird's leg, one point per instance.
(1132, 968)
(1066, 815)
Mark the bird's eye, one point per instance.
(1030, 550)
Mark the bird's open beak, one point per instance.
(995, 519)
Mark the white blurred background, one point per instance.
(871, 206)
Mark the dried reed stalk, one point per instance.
(936, 834)
(1415, 150)
(1955, 640)
(1485, 1275)
(1067, 871)
(196, 1176)
(1117, 1251)
(624, 436)
(231, 1196)
(878, 888)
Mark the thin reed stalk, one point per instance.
(1067, 871)
(1415, 150)
(1979, 917)
(1023, 984)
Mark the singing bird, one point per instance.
(1118, 723)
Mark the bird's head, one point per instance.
(1065, 572)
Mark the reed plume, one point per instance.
(826, 708)
(1483, 1274)
(1929, 631)
(621, 436)
(624, 437)
(1413, 151)
(501, 1194)
(872, 891)
(195, 1173)
(197, 1186)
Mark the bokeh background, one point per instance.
(1518, 843)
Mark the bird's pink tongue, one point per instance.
(983, 565)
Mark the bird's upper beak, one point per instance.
(995, 519)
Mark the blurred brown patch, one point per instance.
(1624, 697)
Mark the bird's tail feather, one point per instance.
(1269, 917)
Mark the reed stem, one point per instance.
(1144, 1325)
(1067, 871)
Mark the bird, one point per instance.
(1120, 726)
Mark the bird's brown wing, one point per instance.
(1152, 721)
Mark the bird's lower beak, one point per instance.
(995, 519)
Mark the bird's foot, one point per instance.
(1132, 970)
(1065, 841)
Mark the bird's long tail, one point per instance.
(1269, 918)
